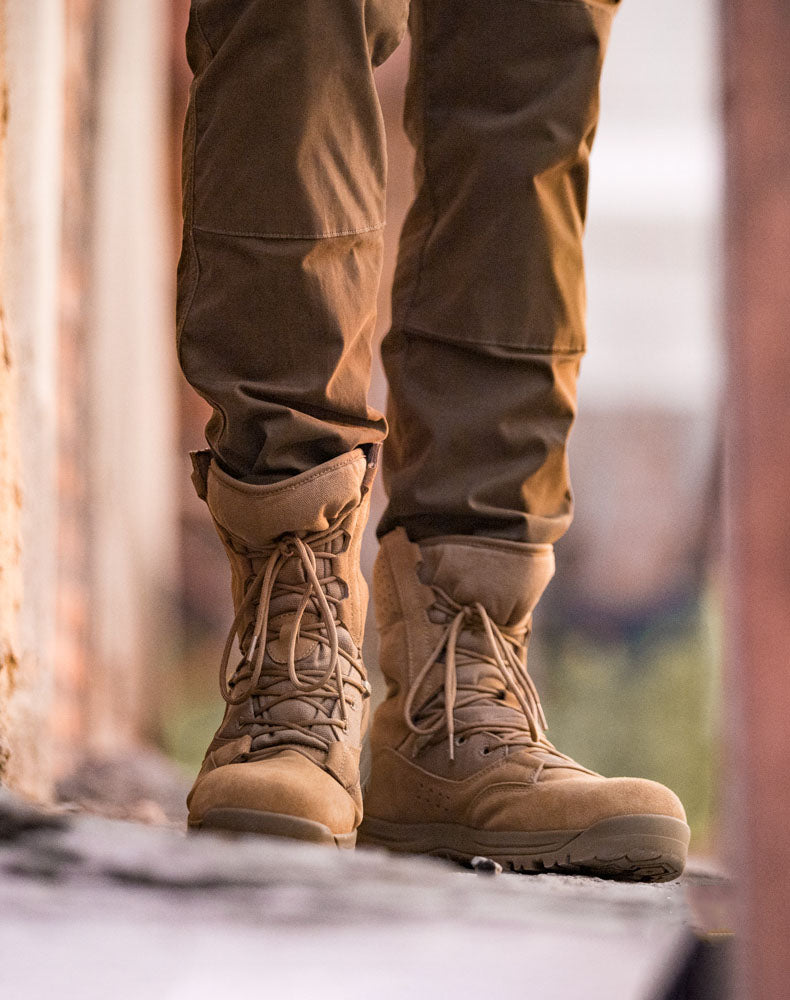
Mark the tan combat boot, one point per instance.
(461, 765)
(285, 760)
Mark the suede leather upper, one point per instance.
(290, 740)
(510, 794)
(497, 778)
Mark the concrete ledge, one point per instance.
(91, 907)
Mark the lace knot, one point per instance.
(287, 546)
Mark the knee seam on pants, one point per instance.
(189, 237)
(427, 173)
(527, 350)
(576, 3)
(289, 236)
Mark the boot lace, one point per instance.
(506, 654)
(312, 684)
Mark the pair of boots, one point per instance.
(461, 765)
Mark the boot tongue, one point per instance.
(507, 578)
(302, 708)
(292, 573)
(310, 657)
(256, 515)
(483, 677)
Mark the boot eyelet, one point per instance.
(485, 751)
(460, 740)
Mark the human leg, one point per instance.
(283, 206)
(284, 174)
(488, 304)
(482, 358)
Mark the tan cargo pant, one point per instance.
(284, 182)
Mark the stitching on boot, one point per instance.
(440, 777)
(475, 541)
(414, 615)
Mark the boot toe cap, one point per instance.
(574, 804)
(288, 785)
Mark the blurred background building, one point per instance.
(113, 595)
(88, 431)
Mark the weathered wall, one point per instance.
(86, 446)
(10, 499)
(31, 205)
(131, 372)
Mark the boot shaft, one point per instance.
(454, 616)
(507, 578)
(327, 506)
(300, 600)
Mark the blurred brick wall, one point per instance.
(205, 599)
(70, 655)
(86, 389)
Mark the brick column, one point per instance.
(756, 67)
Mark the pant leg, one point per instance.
(488, 306)
(284, 174)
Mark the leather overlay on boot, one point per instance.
(285, 760)
(461, 764)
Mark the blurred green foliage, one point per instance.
(646, 706)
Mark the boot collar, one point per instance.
(255, 515)
(506, 578)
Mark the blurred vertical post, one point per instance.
(31, 196)
(756, 67)
(88, 528)
(132, 419)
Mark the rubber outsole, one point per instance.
(233, 820)
(642, 848)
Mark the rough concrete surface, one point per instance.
(97, 908)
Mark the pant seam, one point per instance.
(215, 231)
(526, 349)
(423, 69)
(200, 29)
(190, 231)
(189, 225)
